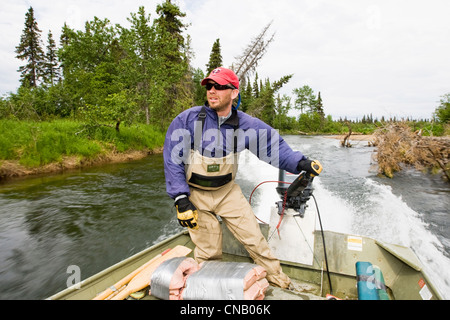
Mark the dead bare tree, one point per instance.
(247, 62)
(346, 141)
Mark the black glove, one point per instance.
(186, 213)
(313, 167)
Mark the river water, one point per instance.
(96, 217)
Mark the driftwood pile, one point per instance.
(398, 145)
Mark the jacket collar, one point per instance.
(233, 120)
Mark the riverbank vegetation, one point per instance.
(28, 147)
(108, 89)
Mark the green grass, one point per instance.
(35, 144)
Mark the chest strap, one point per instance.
(198, 133)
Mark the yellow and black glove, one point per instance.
(313, 167)
(186, 213)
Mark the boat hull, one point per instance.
(403, 273)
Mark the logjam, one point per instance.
(398, 145)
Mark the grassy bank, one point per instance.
(37, 144)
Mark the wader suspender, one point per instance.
(202, 118)
(198, 136)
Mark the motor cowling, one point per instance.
(294, 191)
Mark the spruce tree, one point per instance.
(199, 91)
(256, 87)
(169, 20)
(215, 58)
(51, 68)
(30, 49)
(174, 75)
(319, 106)
(247, 96)
(64, 40)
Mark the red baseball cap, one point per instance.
(222, 76)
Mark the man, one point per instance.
(200, 163)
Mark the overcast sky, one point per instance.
(388, 58)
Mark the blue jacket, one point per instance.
(252, 134)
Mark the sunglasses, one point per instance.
(217, 86)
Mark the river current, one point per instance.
(93, 218)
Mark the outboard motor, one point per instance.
(294, 191)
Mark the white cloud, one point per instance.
(381, 57)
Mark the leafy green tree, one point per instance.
(304, 98)
(443, 111)
(310, 122)
(20, 105)
(312, 117)
(30, 49)
(90, 61)
(215, 58)
(282, 107)
(117, 107)
(138, 67)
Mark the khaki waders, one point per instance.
(227, 202)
